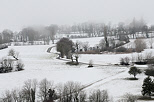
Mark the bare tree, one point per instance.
(133, 27)
(140, 45)
(70, 91)
(44, 86)
(29, 90)
(102, 44)
(29, 34)
(77, 91)
(17, 95)
(85, 46)
(148, 55)
(112, 43)
(13, 53)
(139, 58)
(151, 41)
(7, 97)
(7, 35)
(14, 95)
(60, 88)
(78, 45)
(99, 96)
(53, 30)
(82, 96)
(1, 40)
(76, 55)
(106, 37)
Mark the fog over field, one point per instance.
(16, 14)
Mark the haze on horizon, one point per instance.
(16, 14)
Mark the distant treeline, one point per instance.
(87, 29)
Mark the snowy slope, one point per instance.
(148, 43)
(92, 41)
(39, 65)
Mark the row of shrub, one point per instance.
(125, 50)
(140, 59)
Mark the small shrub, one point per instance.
(120, 43)
(125, 61)
(11, 52)
(20, 65)
(141, 63)
(72, 63)
(149, 72)
(90, 63)
(121, 49)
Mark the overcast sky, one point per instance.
(16, 14)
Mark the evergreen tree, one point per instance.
(147, 86)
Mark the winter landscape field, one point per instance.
(76, 51)
(105, 75)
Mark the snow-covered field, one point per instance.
(92, 41)
(39, 65)
(149, 42)
(103, 59)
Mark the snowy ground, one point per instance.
(103, 59)
(92, 41)
(39, 65)
(149, 42)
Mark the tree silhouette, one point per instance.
(134, 71)
(147, 87)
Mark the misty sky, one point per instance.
(16, 14)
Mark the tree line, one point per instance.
(86, 29)
(47, 91)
